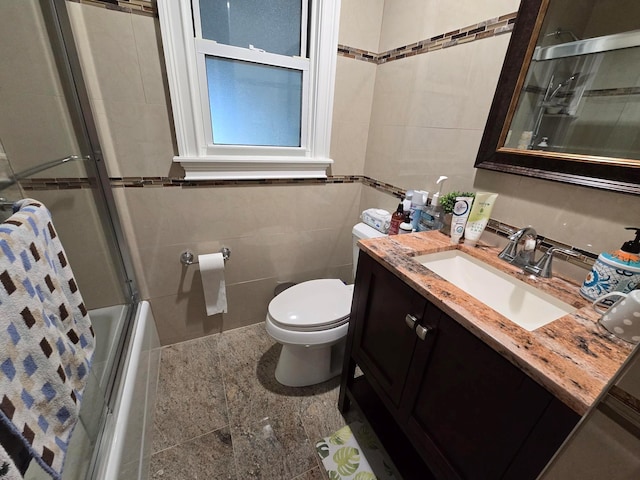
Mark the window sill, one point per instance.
(252, 168)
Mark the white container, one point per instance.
(377, 218)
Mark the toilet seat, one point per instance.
(312, 306)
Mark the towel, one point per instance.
(8, 469)
(46, 339)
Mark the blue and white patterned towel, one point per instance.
(46, 339)
(8, 469)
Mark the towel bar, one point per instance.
(187, 257)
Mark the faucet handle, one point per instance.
(543, 267)
(510, 253)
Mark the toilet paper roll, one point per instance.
(212, 273)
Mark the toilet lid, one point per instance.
(312, 304)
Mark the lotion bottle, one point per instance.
(396, 219)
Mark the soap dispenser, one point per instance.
(615, 271)
(433, 215)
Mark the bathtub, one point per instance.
(125, 446)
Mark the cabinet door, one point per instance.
(468, 408)
(383, 341)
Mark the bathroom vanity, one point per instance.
(454, 389)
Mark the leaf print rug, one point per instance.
(353, 453)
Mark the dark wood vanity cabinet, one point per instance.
(434, 391)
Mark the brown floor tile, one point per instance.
(207, 457)
(190, 400)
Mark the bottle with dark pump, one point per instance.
(615, 271)
(396, 219)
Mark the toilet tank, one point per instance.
(359, 232)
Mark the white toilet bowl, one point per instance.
(311, 320)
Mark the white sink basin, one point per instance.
(519, 302)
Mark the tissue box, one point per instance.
(377, 218)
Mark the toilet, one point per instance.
(311, 320)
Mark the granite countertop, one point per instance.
(572, 357)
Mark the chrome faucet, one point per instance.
(524, 256)
(542, 268)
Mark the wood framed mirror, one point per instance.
(567, 104)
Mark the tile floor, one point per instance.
(220, 413)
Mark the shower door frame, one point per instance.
(80, 105)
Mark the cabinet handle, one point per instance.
(422, 331)
(411, 321)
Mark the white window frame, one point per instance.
(185, 61)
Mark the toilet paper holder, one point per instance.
(187, 257)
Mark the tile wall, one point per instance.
(277, 232)
(433, 124)
(36, 127)
(399, 122)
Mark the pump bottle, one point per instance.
(615, 271)
(396, 219)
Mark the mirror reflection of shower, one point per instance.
(581, 96)
(580, 92)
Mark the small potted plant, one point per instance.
(447, 202)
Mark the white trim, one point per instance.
(209, 47)
(224, 168)
(195, 153)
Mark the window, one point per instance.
(251, 85)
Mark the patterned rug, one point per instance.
(353, 452)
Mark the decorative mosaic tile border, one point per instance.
(585, 258)
(150, 182)
(58, 183)
(139, 7)
(485, 29)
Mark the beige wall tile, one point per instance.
(360, 22)
(108, 53)
(183, 317)
(146, 31)
(28, 64)
(372, 198)
(207, 214)
(253, 257)
(583, 217)
(408, 21)
(348, 148)
(86, 243)
(353, 99)
(36, 129)
(142, 137)
(278, 241)
(355, 81)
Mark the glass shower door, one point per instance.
(48, 153)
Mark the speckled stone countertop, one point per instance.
(572, 357)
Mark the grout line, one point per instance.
(228, 412)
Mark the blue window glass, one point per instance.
(253, 104)
(273, 26)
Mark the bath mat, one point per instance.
(353, 453)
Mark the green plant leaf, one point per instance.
(333, 475)
(448, 200)
(341, 436)
(366, 438)
(347, 460)
(365, 476)
(323, 449)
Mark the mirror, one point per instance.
(567, 104)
